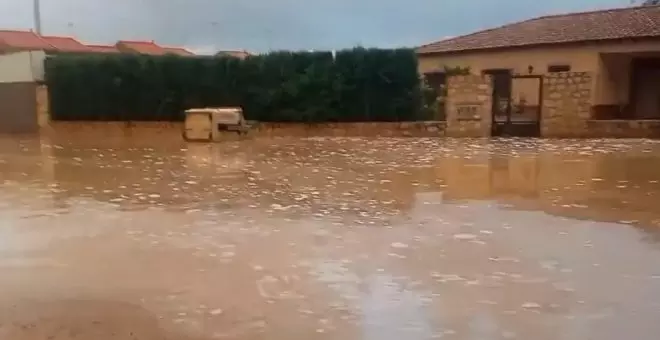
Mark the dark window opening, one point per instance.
(559, 68)
(437, 81)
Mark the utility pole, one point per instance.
(37, 16)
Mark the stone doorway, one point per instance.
(516, 104)
(645, 88)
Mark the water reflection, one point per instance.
(336, 237)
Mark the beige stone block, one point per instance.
(548, 103)
(555, 95)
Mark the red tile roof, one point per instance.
(11, 40)
(178, 51)
(144, 47)
(612, 24)
(102, 49)
(23, 40)
(66, 44)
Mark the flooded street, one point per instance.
(330, 238)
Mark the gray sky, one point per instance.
(261, 25)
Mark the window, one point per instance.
(559, 68)
(437, 81)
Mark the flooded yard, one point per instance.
(330, 238)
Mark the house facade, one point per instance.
(588, 74)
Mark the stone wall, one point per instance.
(98, 133)
(101, 134)
(567, 101)
(371, 129)
(623, 128)
(469, 105)
(43, 113)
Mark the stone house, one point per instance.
(582, 74)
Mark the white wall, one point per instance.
(22, 67)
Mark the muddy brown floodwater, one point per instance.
(330, 238)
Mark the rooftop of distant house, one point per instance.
(67, 44)
(144, 47)
(242, 54)
(178, 51)
(603, 25)
(23, 40)
(17, 40)
(103, 48)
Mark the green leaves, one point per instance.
(357, 85)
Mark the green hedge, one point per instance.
(356, 85)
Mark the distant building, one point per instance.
(103, 48)
(179, 51)
(150, 48)
(66, 44)
(241, 54)
(141, 47)
(22, 41)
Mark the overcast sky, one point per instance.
(261, 25)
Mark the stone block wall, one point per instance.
(103, 134)
(469, 105)
(624, 128)
(366, 129)
(567, 101)
(43, 111)
(100, 134)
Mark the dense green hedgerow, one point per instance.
(353, 85)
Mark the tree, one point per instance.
(650, 2)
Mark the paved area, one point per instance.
(330, 238)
